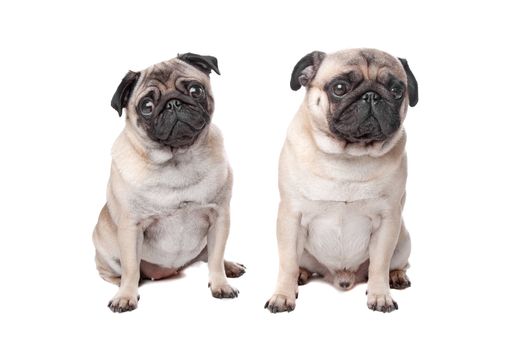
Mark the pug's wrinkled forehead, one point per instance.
(169, 74)
(370, 64)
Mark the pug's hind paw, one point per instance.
(234, 270)
(399, 280)
(304, 276)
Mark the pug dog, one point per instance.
(342, 176)
(170, 184)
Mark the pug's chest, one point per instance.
(172, 192)
(338, 233)
(175, 240)
(164, 201)
(319, 189)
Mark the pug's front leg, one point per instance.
(217, 237)
(291, 245)
(382, 245)
(130, 238)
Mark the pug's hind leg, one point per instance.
(234, 270)
(107, 250)
(310, 267)
(106, 271)
(399, 279)
(304, 276)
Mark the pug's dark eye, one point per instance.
(146, 107)
(340, 89)
(397, 91)
(197, 91)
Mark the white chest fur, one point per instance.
(175, 240)
(338, 234)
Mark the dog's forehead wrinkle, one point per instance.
(168, 70)
(169, 79)
(367, 64)
(160, 72)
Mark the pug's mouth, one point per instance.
(367, 132)
(178, 134)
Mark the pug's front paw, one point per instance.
(280, 303)
(381, 302)
(222, 291)
(123, 302)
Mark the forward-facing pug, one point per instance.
(170, 185)
(342, 175)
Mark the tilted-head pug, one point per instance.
(170, 184)
(342, 176)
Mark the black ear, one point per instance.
(412, 84)
(305, 70)
(202, 63)
(121, 96)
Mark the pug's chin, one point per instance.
(376, 148)
(185, 143)
(180, 143)
(362, 139)
(177, 139)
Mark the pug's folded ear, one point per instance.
(305, 70)
(121, 97)
(203, 63)
(412, 84)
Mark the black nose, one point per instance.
(371, 97)
(173, 104)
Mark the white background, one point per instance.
(61, 63)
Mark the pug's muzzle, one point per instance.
(178, 122)
(367, 118)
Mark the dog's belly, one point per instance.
(338, 237)
(176, 240)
